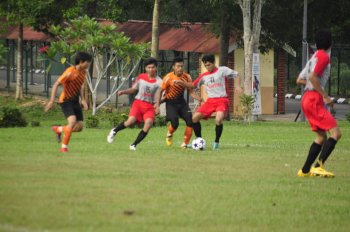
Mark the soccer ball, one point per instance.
(198, 144)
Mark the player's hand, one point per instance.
(328, 101)
(85, 105)
(156, 108)
(178, 82)
(120, 92)
(239, 90)
(48, 106)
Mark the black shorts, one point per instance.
(176, 110)
(70, 108)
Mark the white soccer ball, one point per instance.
(198, 144)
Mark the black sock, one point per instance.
(197, 129)
(119, 127)
(326, 151)
(218, 131)
(140, 137)
(313, 153)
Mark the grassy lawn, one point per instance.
(250, 184)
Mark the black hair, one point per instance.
(151, 60)
(323, 39)
(178, 59)
(208, 58)
(82, 57)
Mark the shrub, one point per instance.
(12, 117)
(116, 119)
(247, 104)
(92, 121)
(35, 123)
(160, 121)
(348, 116)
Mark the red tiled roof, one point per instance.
(188, 37)
(28, 34)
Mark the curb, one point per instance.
(334, 99)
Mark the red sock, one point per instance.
(187, 135)
(67, 133)
(171, 130)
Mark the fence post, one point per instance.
(8, 64)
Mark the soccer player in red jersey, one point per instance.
(315, 76)
(215, 83)
(72, 81)
(142, 109)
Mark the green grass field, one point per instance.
(250, 184)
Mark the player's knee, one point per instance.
(188, 121)
(147, 126)
(78, 127)
(195, 118)
(174, 123)
(337, 135)
(218, 121)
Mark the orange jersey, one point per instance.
(72, 81)
(172, 90)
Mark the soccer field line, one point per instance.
(9, 227)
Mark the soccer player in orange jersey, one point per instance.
(72, 81)
(174, 85)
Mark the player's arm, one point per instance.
(82, 98)
(316, 84)
(187, 85)
(53, 95)
(319, 68)
(301, 81)
(158, 97)
(238, 88)
(127, 91)
(195, 96)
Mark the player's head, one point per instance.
(178, 65)
(209, 62)
(323, 39)
(151, 66)
(83, 59)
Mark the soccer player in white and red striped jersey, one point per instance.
(142, 109)
(315, 76)
(215, 82)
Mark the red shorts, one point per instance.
(213, 105)
(142, 110)
(316, 113)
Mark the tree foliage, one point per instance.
(87, 34)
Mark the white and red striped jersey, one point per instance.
(146, 87)
(320, 64)
(215, 81)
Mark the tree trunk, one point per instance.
(155, 30)
(224, 39)
(94, 105)
(86, 90)
(19, 82)
(248, 57)
(92, 8)
(251, 36)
